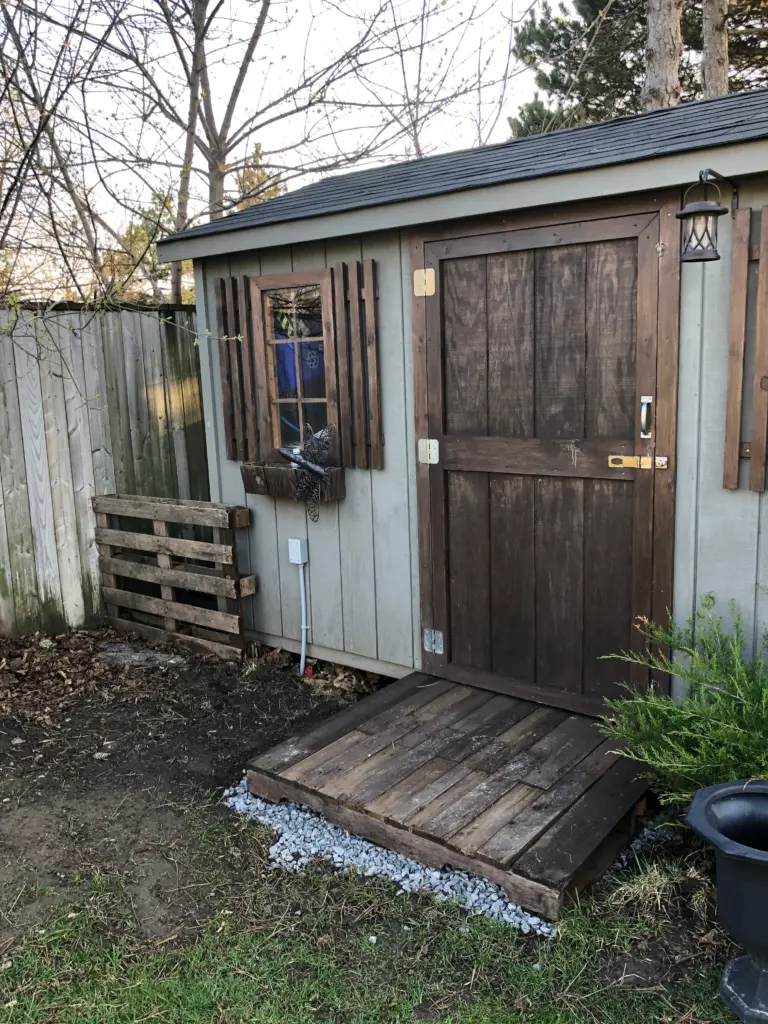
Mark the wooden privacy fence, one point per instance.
(91, 402)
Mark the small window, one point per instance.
(297, 350)
(295, 362)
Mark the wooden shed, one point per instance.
(547, 425)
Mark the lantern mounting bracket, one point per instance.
(707, 174)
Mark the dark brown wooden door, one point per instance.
(541, 351)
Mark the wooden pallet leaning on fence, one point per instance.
(170, 573)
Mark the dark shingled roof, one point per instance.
(738, 118)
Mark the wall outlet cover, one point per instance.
(297, 550)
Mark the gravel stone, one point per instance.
(304, 835)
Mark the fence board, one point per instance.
(51, 368)
(90, 403)
(38, 475)
(78, 418)
(15, 494)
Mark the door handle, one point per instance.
(646, 402)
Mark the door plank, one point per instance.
(465, 346)
(642, 530)
(611, 300)
(469, 568)
(560, 342)
(513, 603)
(540, 457)
(608, 516)
(510, 344)
(559, 582)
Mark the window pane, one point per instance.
(285, 370)
(296, 313)
(289, 424)
(312, 369)
(316, 415)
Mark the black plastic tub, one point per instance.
(733, 817)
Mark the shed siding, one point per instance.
(363, 558)
(721, 536)
(362, 574)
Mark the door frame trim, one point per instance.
(664, 204)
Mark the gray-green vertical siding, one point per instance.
(363, 567)
(721, 536)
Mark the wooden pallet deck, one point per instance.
(531, 797)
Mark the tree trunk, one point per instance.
(663, 50)
(216, 188)
(199, 11)
(714, 61)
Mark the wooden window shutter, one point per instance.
(352, 367)
(749, 303)
(236, 368)
(355, 313)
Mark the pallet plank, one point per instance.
(169, 545)
(490, 821)
(184, 579)
(512, 840)
(158, 635)
(562, 849)
(367, 779)
(376, 766)
(297, 747)
(223, 621)
(173, 510)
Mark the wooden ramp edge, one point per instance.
(530, 894)
(533, 799)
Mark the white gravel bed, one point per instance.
(305, 836)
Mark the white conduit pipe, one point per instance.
(304, 625)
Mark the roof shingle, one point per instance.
(738, 118)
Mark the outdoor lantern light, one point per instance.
(700, 222)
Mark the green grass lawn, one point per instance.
(271, 948)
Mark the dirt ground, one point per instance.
(108, 746)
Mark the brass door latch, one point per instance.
(638, 462)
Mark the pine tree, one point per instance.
(589, 60)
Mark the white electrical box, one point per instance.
(297, 550)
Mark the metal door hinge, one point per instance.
(433, 641)
(638, 462)
(423, 282)
(429, 451)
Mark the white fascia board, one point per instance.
(642, 176)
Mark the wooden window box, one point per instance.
(277, 481)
